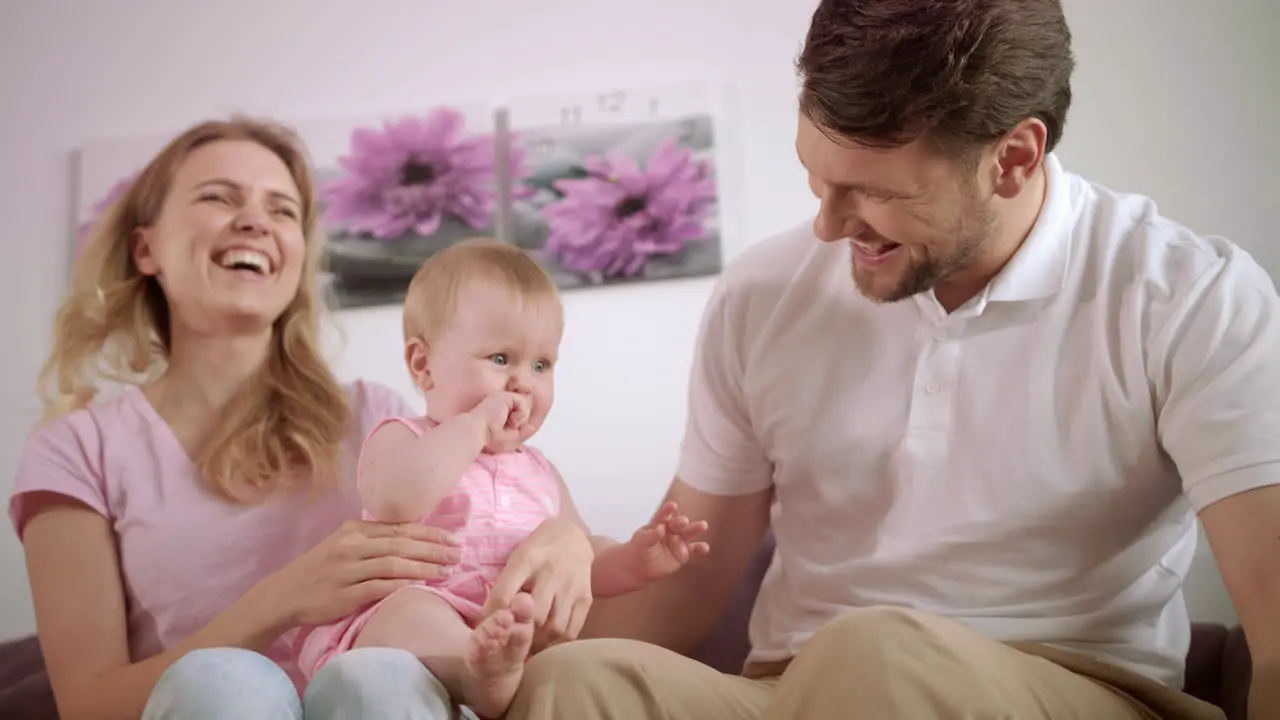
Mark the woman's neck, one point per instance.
(202, 377)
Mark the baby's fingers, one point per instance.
(678, 549)
(693, 530)
(664, 514)
(648, 536)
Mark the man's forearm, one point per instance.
(672, 613)
(1264, 692)
(679, 611)
(661, 612)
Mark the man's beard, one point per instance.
(972, 229)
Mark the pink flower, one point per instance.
(411, 173)
(620, 215)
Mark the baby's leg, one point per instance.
(422, 623)
(481, 667)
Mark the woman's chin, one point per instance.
(247, 315)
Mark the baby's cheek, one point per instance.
(541, 407)
(461, 400)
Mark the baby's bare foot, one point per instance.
(495, 658)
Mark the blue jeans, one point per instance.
(227, 683)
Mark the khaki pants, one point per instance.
(870, 664)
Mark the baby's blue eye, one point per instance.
(499, 358)
(541, 366)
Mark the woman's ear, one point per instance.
(140, 246)
(415, 356)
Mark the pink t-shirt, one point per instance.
(185, 554)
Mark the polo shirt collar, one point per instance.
(1039, 268)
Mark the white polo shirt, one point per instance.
(1029, 464)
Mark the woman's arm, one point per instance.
(81, 618)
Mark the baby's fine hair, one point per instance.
(433, 291)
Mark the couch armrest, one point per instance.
(1237, 675)
(24, 685)
(30, 699)
(1204, 662)
(19, 659)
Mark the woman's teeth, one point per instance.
(245, 260)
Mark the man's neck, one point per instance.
(1014, 220)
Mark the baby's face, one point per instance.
(495, 341)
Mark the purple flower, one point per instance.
(114, 195)
(410, 174)
(619, 216)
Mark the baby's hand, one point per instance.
(668, 542)
(502, 413)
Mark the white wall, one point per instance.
(73, 70)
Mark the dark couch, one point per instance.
(1218, 667)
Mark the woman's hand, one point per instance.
(360, 563)
(554, 565)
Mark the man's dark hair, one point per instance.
(957, 73)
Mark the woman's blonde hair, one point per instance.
(282, 430)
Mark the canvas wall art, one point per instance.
(395, 189)
(615, 187)
(605, 188)
(104, 171)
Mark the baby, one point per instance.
(482, 325)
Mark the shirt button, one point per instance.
(504, 501)
(931, 388)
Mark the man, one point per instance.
(985, 451)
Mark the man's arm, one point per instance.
(1244, 534)
(677, 612)
(724, 476)
(1216, 371)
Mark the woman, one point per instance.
(174, 532)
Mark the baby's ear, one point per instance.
(416, 358)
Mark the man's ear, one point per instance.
(1019, 156)
(416, 358)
